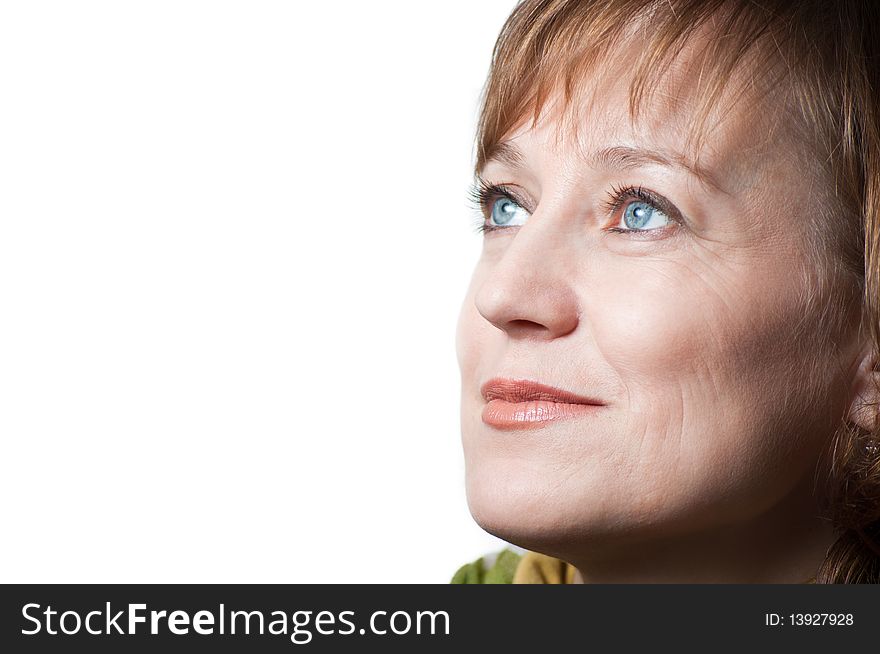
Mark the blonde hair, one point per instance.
(823, 59)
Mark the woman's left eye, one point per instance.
(642, 212)
(643, 216)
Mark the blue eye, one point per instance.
(638, 214)
(643, 214)
(497, 206)
(504, 212)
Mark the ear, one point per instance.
(865, 394)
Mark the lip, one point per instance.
(525, 404)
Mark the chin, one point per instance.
(540, 508)
(527, 512)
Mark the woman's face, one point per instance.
(690, 330)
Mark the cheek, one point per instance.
(715, 334)
(642, 330)
(707, 366)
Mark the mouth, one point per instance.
(524, 404)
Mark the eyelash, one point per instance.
(482, 194)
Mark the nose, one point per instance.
(528, 292)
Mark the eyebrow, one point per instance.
(618, 156)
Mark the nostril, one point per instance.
(525, 324)
(521, 327)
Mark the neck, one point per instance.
(783, 545)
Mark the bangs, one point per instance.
(553, 47)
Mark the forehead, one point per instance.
(723, 142)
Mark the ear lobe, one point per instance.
(865, 393)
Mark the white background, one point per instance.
(234, 240)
